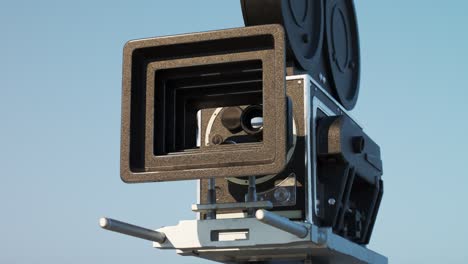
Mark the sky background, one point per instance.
(60, 91)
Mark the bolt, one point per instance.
(217, 139)
(331, 201)
(282, 195)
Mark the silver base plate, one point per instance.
(247, 239)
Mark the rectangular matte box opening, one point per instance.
(182, 93)
(173, 85)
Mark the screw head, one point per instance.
(217, 139)
(282, 195)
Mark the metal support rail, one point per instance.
(131, 230)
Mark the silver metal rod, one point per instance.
(252, 191)
(211, 198)
(252, 194)
(282, 223)
(131, 230)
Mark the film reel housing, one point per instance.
(322, 40)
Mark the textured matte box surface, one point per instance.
(142, 58)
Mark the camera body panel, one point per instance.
(322, 181)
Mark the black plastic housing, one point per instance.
(349, 173)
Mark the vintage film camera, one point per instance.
(259, 116)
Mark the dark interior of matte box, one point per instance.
(181, 92)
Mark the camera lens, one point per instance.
(252, 119)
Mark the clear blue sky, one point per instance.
(60, 81)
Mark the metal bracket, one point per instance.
(232, 206)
